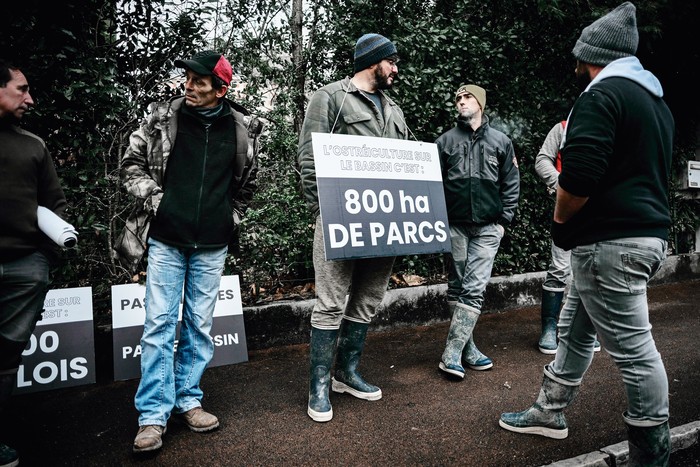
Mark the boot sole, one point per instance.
(480, 367)
(536, 430)
(320, 416)
(202, 429)
(155, 447)
(450, 371)
(340, 388)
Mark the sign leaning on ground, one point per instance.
(61, 351)
(379, 196)
(129, 315)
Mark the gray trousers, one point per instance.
(350, 289)
(559, 270)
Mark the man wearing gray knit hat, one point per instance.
(359, 106)
(611, 37)
(612, 212)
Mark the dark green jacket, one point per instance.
(145, 161)
(344, 109)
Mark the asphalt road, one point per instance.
(423, 418)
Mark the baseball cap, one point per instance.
(207, 63)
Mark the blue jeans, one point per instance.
(23, 286)
(474, 249)
(170, 380)
(608, 295)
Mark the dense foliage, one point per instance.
(94, 65)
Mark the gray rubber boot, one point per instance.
(347, 378)
(650, 446)
(474, 358)
(549, 313)
(461, 327)
(544, 417)
(321, 352)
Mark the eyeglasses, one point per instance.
(392, 61)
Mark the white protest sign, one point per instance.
(379, 196)
(129, 315)
(61, 351)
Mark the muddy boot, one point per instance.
(545, 416)
(347, 378)
(474, 358)
(549, 312)
(321, 351)
(461, 327)
(650, 446)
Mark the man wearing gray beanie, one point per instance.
(353, 106)
(612, 213)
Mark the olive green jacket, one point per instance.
(342, 108)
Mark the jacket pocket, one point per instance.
(400, 130)
(357, 117)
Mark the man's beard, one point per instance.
(583, 79)
(467, 115)
(382, 80)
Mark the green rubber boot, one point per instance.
(549, 313)
(321, 352)
(347, 378)
(650, 446)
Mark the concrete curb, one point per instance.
(617, 455)
(288, 322)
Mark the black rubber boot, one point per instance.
(8, 456)
(321, 352)
(549, 312)
(347, 378)
(650, 446)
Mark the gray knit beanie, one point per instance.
(371, 49)
(610, 37)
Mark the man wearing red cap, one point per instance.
(191, 167)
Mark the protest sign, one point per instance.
(129, 315)
(61, 351)
(379, 196)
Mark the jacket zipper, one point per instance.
(201, 184)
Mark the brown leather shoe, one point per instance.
(199, 420)
(149, 438)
